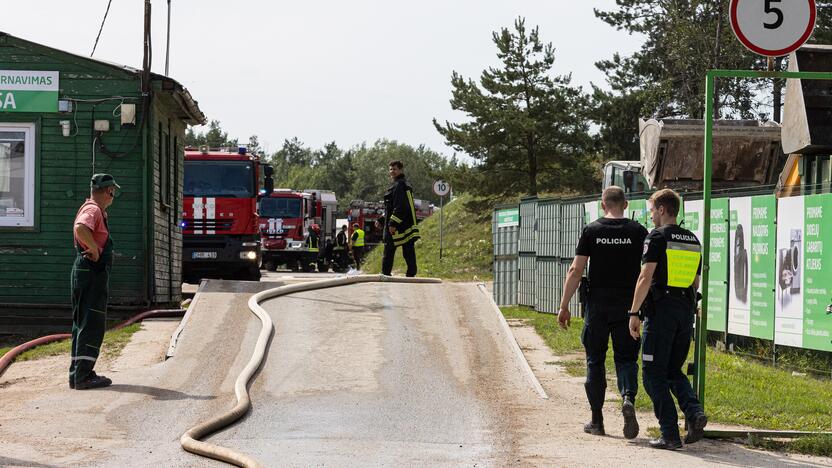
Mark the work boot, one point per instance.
(92, 381)
(663, 444)
(595, 428)
(628, 410)
(696, 428)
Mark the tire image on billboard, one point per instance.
(773, 28)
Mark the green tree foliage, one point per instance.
(666, 77)
(359, 173)
(526, 127)
(215, 137)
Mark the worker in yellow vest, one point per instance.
(357, 245)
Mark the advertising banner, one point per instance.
(753, 259)
(817, 277)
(739, 245)
(788, 322)
(763, 260)
(718, 261)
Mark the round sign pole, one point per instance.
(441, 212)
(441, 188)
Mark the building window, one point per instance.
(17, 174)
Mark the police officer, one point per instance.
(90, 280)
(612, 245)
(400, 228)
(667, 287)
(357, 244)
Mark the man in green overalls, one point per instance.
(90, 282)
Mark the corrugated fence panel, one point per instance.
(547, 296)
(547, 216)
(571, 224)
(505, 241)
(527, 225)
(505, 281)
(526, 288)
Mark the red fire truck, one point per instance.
(221, 238)
(285, 217)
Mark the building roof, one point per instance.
(181, 94)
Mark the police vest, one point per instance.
(682, 263)
(359, 241)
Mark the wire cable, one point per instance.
(101, 28)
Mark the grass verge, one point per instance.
(114, 343)
(738, 390)
(467, 252)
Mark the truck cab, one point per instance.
(219, 218)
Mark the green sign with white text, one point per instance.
(718, 277)
(763, 261)
(509, 217)
(28, 91)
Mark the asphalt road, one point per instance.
(381, 374)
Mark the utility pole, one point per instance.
(147, 51)
(167, 47)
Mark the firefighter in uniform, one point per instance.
(313, 240)
(400, 228)
(341, 246)
(357, 245)
(612, 245)
(666, 294)
(90, 281)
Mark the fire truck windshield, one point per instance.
(231, 179)
(280, 207)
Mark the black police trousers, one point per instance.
(667, 338)
(605, 320)
(408, 252)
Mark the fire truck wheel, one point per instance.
(253, 274)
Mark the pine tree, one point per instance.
(527, 128)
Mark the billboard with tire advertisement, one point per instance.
(752, 255)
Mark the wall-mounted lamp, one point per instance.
(65, 127)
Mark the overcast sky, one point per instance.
(323, 70)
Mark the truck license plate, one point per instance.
(204, 255)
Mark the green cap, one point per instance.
(100, 181)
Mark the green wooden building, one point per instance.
(64, 117)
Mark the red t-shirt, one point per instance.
(92, 216)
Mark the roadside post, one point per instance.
(771, 28)
(441, 188)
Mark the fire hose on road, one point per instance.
(7, 359)
(191, 439)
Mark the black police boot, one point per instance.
(596, 426)
(663, 444)
(92, 381)
(628, 410)
(696, 428)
